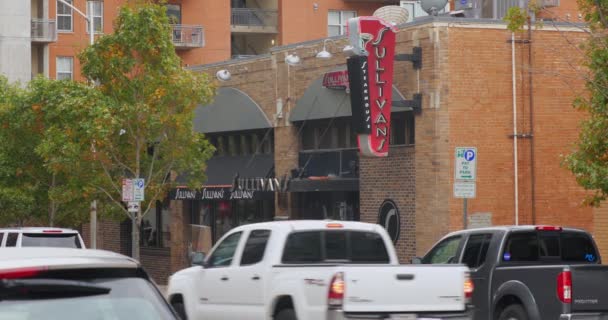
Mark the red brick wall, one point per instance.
(480, 115)
(391, 178)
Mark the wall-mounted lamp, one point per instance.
(324, 54)
(292, 59)
(223, 75)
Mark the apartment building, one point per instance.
(45, 36)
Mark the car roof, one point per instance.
(63, 258)
(508, 228)
(296, 225)
(38, 229)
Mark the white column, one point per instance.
(15, 40)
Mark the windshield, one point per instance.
(63, 240)
(128, 299)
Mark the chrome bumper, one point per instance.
(584, 316)
(341, 315)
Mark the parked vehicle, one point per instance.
(40, 237)
(59, 283)
(529, 272)
(315, 270)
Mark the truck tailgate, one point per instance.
(404, 288)
(589, 288)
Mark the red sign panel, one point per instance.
(373, 40)
(336, 80)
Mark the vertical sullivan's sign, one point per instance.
(370, 72)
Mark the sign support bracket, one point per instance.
(415, 104)
(415, 57)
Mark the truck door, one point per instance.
(249, 277)
(474, 256)
(215, 283)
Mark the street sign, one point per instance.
(133, 207)
(464, 189)
(465, 168)
(138, 189)
(133, 190)
(127, 190)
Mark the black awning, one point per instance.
(231, 110)
(222, 169)
(334, 184)
(319, 102)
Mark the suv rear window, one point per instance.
(550, 245)
(335, 246)
(63, 240)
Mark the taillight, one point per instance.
(468, 287)
(21, 273)
(52, 231)
(335, 297)
(334, 225)
(564, 287)
(548, 228)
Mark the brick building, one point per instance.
(468, 98)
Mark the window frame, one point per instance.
(264, 252)
(342, 23)
(234, 254)
(58, 72)
(485, 242)
(8, 235)
(63, 15)
(93, 16)
(458, 252)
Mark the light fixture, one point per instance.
(349, 50)
(223, 75)
(324, 54)
(292, 59)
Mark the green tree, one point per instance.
(44, 113)
(150, 103)
(589, 162)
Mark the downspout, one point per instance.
(533, 177)
(515, 168)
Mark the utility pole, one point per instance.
(91, 21)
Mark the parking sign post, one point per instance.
(465, 177)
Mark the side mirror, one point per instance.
(416, 260)
(197, 259)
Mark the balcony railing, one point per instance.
(261, 19)
(188, 36)
(44, 30)
(343, 163)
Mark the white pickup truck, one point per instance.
(315, 270)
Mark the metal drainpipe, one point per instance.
(531, 93)
(515, 168)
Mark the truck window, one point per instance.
(62, 240)
(222, 255)
(335, 246)
(347, 246)
(476, 250)
(578, 247)
(255, 247)
(303, 247)
(444, 252)
(1, 238)
(548, 243)
(521, 246)
(367, 247)
(11, 239)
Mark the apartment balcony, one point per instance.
(254, 20)
(188, 36)
(44, 30)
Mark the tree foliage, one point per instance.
(589, 162)
(64, 143)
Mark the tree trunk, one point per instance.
(136, 223)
